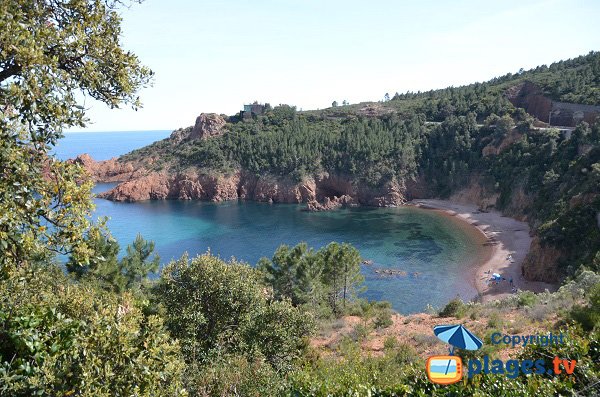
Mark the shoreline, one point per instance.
(504, 236)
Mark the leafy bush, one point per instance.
(589, 315)
(404, 354)
(454, 308)
(215, 308)
(59, 338)
(383, 318)
(361, 332)
(526, 299)
(495, 321)
(234, 376)
(390, 343)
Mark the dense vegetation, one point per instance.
(210, 327)
(103, 327)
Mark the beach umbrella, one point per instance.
(458, 336)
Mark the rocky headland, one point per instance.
(139, 180)
(138, 183)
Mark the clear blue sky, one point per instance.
(213, 56)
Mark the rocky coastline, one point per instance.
(326, 192)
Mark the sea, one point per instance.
(432, 255)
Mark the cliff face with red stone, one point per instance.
(109, 170)
(138, 184)
(541, 262)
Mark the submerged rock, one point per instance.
(390, 272)
(331, 203)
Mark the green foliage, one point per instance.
(216, 308)
(557, 178)
(294, 273)
(234, 375)
(104, 268)
(454, 308)
(404, 354)
(50, 52)
(588, 316)
(361, 332)
(349, 375)
(389, 343)
(330, 276)
(526, 298)
(341, 273)
(383, 315)
(584, 347)
(136, 264)
(370, 150)
(59, 338)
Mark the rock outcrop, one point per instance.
(181, 186)
(207, 125)
(326, 192)
(541, 262)
(329, 204)
(192, 185)
(277, 190)
(109, 170)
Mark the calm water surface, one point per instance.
(435, 251)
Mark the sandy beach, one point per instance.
(505, 236)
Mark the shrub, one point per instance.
(526, 299)
(589, 315)
(583, 283)
(495, 321)
(60, 338)
(361, 332)
(454, 308)
(405, 353)
(216, 307)
(427, 340)
(383, 319)
(234, 376)
(390, 342)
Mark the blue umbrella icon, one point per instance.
(458, 336)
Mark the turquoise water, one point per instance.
(434, 250)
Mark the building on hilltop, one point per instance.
(254, 109)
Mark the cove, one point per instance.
(434, 252)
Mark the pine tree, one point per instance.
(137, 265)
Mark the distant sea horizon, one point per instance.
(432, 255)
(103, 145)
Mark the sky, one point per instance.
(214, 56)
